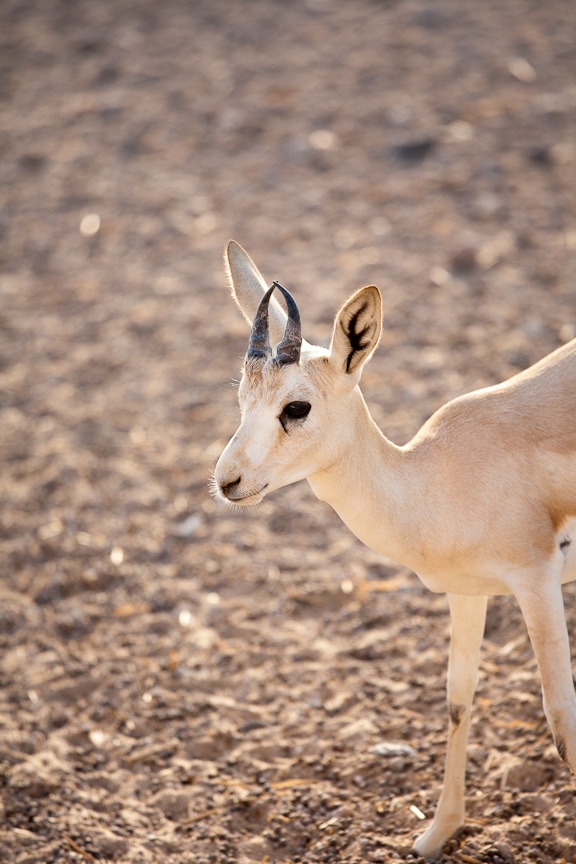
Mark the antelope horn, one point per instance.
(259, 345)
(288, 350)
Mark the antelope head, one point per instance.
(297, 400)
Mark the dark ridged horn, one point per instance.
(259, 345)
(288, 350)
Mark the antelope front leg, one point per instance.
(543, 610)
(468, 616)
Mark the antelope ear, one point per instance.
(247, 287)
(356, 331)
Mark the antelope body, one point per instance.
(481, 502)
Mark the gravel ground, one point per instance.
(184, 683)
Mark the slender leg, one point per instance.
(468, 616)
(543, 610)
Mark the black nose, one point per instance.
(227, 488)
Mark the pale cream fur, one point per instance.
(482, 501)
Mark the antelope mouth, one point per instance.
(244, 500)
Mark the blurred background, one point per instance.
(429, 148)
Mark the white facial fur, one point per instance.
(270, 451)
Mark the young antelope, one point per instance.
(482, 501)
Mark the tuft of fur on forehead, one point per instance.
(313, 374)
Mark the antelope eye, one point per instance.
(296, 410)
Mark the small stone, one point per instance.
(464, 259)
(391, 749)
(173, 804)
(414, 151)
(504, 851)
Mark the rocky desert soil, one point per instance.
(181, 682)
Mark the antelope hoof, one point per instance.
(429, 844)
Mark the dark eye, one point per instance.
(295, 411)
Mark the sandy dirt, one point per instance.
(185, 683)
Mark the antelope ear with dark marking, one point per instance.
(356, 331)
